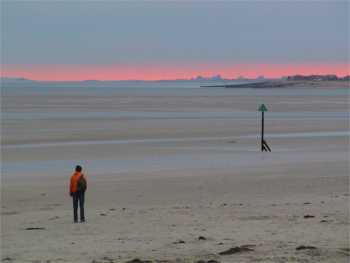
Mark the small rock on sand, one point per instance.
(308, 216)
(202, 238)
(304, 247)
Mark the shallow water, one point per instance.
(191, 156)
(174, 140)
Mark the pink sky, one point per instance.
(161, 72)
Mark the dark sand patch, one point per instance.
(235, 250)
(35, 228)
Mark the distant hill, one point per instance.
(330, 77)
(214, 81)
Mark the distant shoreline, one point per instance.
(205, 83)
(285, 84)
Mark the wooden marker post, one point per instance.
(264, 146)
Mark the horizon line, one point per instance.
(155, 72)
(216, 77)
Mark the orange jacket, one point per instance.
(74, 182)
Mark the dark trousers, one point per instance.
(78, 198)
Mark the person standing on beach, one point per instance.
(77, 188)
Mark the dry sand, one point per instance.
(203, 179)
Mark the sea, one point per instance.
(12, 116)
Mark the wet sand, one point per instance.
(165, 182)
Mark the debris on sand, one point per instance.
(35, 228)
(137, 260)
(308, 216)
(234, 250)
(202, 238)
(305, 247)
(179, 242)
(103, 214)
(7, 259)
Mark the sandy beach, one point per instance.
(176, 175)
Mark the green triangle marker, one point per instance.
(262, 108)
